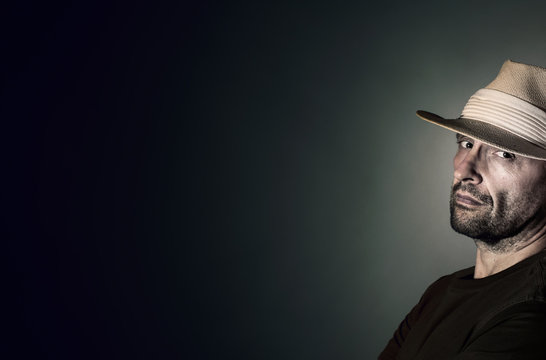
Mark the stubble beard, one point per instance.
(495, 225)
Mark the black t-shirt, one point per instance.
(502, 316)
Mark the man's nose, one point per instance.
(466, 167)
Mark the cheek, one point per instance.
(503, 177)
(523, 194)
(527, 181)
(535, 192)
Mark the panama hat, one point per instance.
(508, 114)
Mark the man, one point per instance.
(497, 309)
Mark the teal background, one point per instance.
(218, 180)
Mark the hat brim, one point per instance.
(488, 134)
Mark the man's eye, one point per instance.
(465, 144)
(505, 155)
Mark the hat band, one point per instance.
(509, 113)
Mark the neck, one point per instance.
(490, 261)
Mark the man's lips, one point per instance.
(467, 200)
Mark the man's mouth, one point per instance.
(467, 200)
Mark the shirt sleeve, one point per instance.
(395, 343)
(518, 332)
(401, 333)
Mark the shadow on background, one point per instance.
(221, 180)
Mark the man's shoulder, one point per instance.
(445, 280)
(541, 258)
(442, 284)
(533, 265)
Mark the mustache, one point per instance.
(486, 199)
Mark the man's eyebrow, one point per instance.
(461, 137)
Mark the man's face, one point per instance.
(496, 195)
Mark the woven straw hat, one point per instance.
(509, 113)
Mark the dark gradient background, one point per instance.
(227, 180)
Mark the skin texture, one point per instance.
(499, 200)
